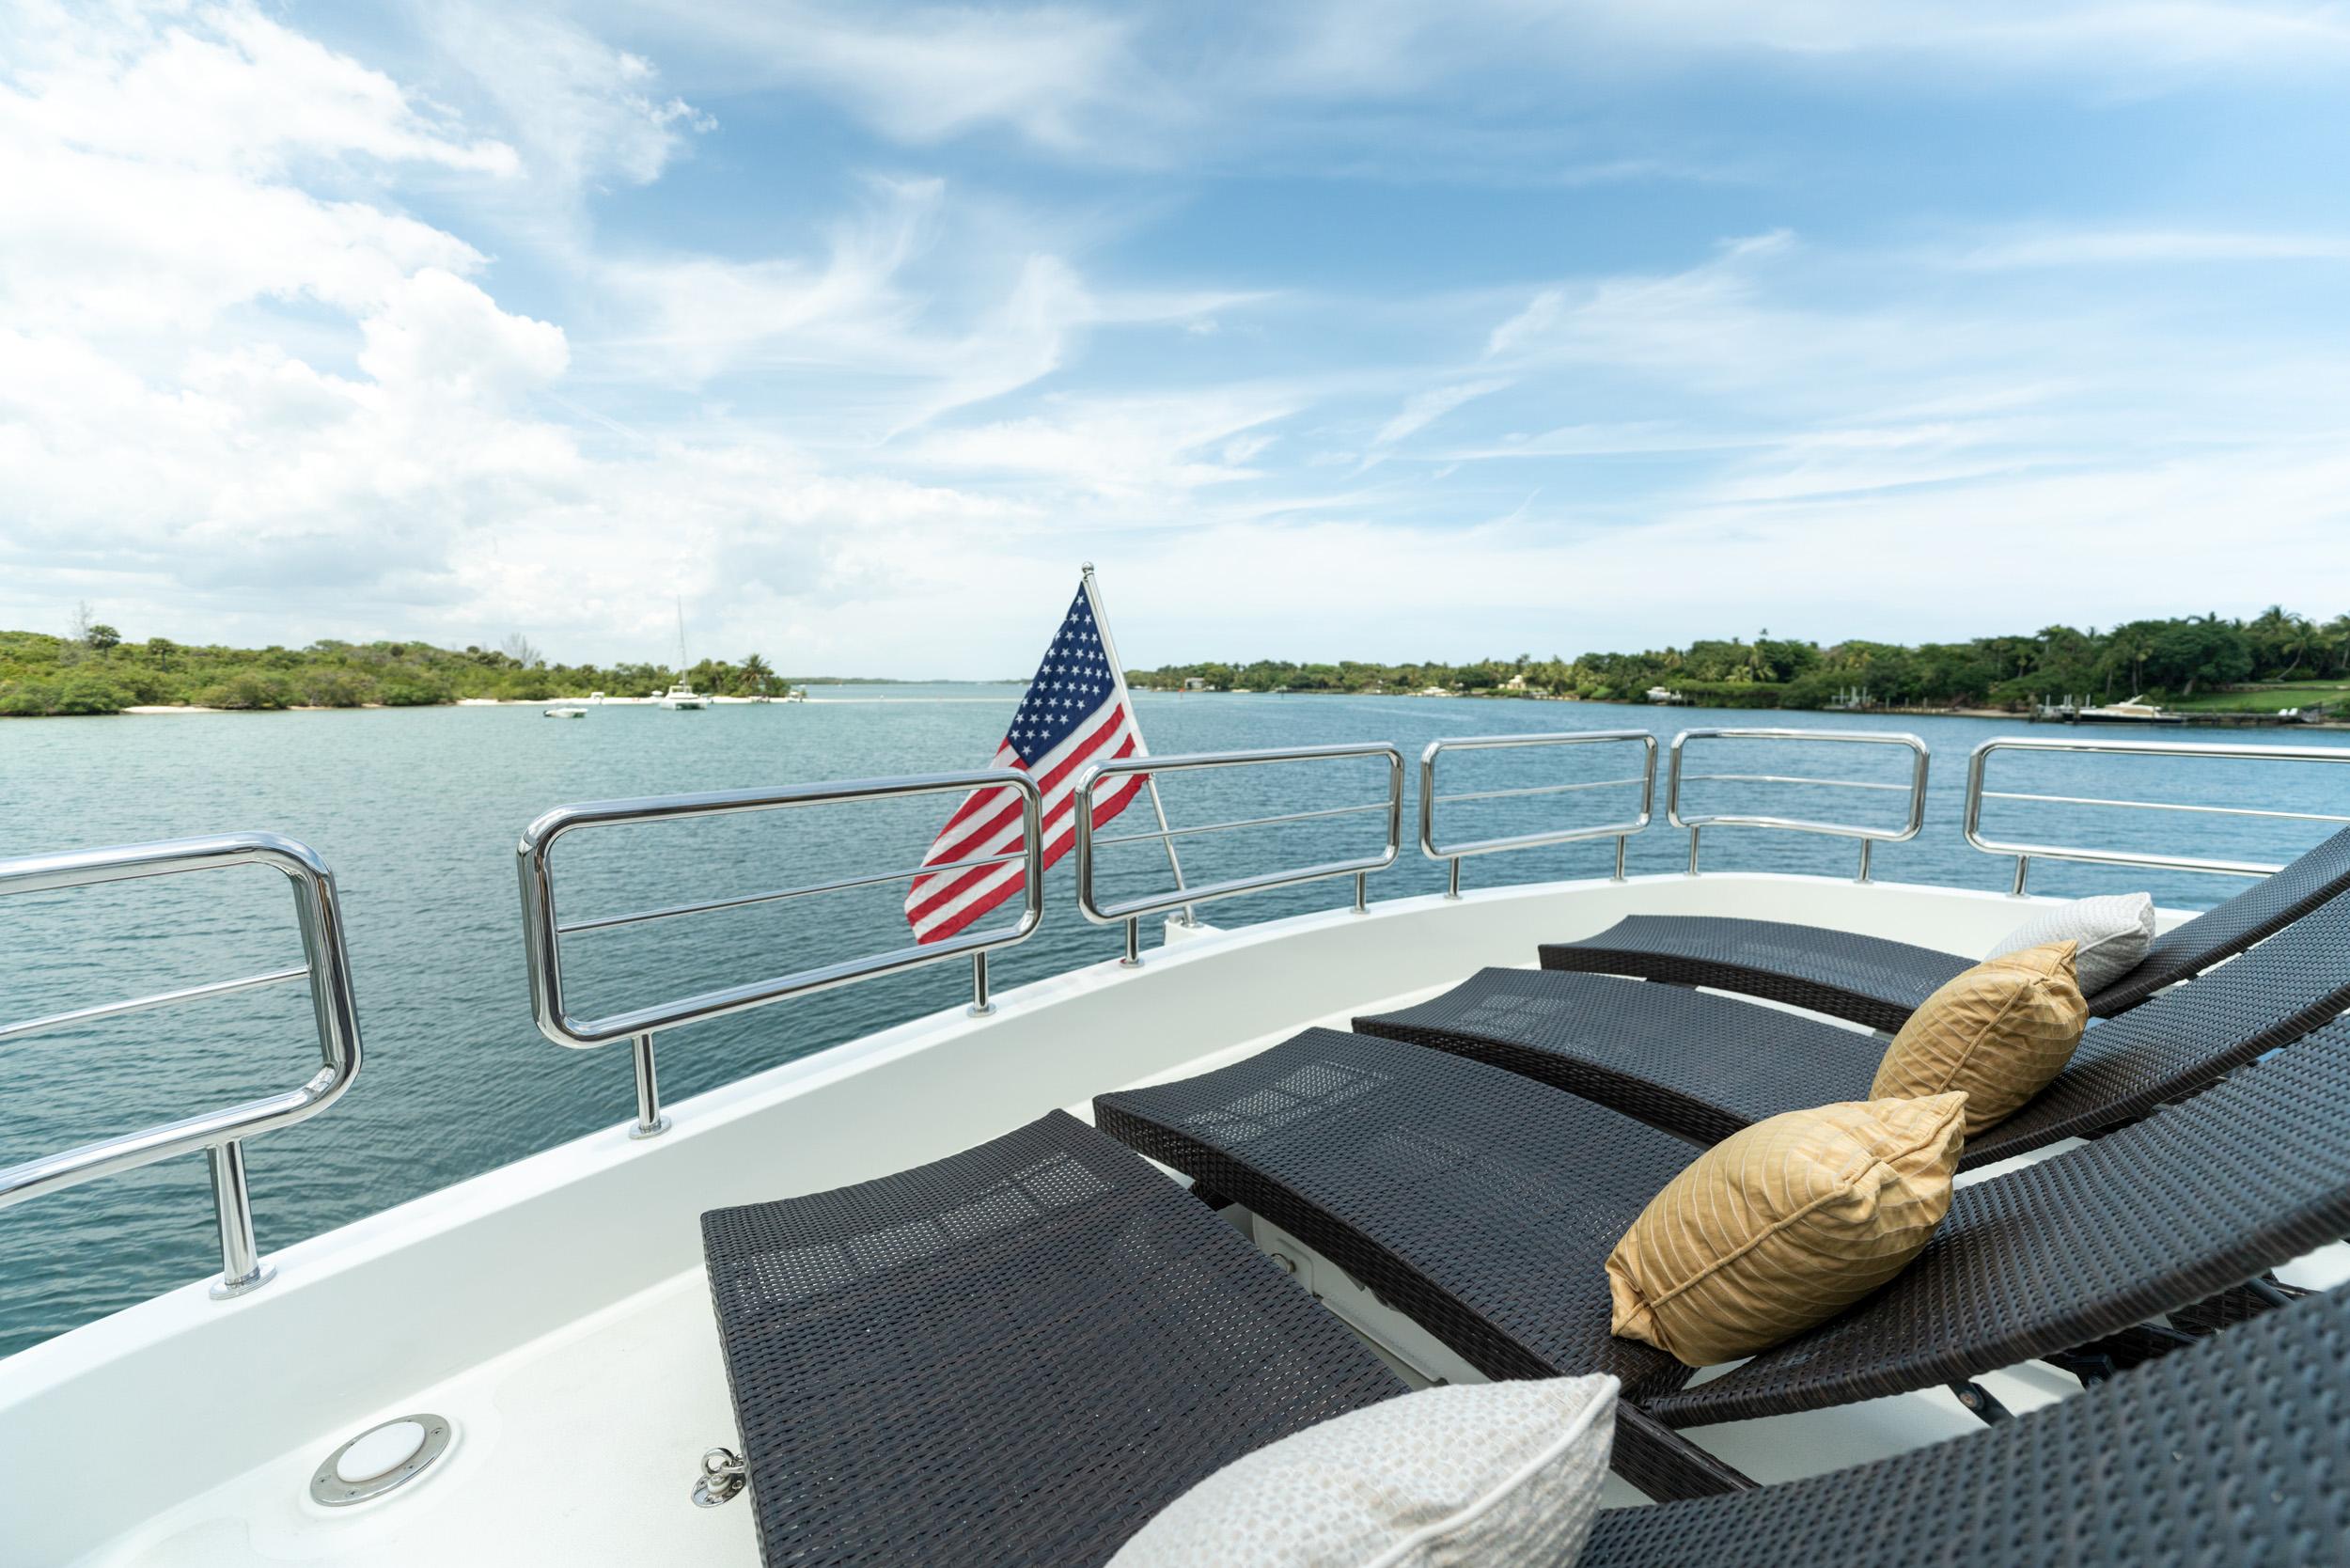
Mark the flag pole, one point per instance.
(1118, 673)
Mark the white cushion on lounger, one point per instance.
(1486, 1473)
(2110, 932)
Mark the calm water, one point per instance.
(418, 810)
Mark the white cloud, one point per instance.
(2112, 248)
(1424, 409)
(579, 106)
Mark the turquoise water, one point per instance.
(417, 811)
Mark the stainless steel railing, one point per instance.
(1096, 775)
(544, 932)
(1455, 854)
(1977, 793)
(220, 1133)
(1869, 836)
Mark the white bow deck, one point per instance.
(555, 1310)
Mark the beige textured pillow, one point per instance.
(1784, 1225)
(1998, 1033)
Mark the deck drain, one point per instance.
(380, 1459)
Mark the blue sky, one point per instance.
(1355, 329)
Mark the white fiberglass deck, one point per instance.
(555, 1310)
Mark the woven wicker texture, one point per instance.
(2228, 1453)
(1703, 1066)
(1016, 1354)
(2250, 1174)
(1867, 979)
(1874, 982)
(1482, 1204)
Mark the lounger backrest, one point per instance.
(2183, 1039)
(2206, 1195)
(2227, 1452)
(2254, 915)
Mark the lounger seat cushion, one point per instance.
(2110, 935)
(1019, 1353)
(1503, 1475)
(1878, 982)
(1702, 1066)
(1999, 1033)
(1784, 1225)
(2225, 1455)
(1480, 1205)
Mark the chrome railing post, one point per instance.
(240, 1266)
(981, 1007)
(1977, 793)
(220, 1134)
(1094, 777)
(1619, 831)
(1362, 892)
(650, 1122)
(1869, 837)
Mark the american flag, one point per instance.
(1075, 712)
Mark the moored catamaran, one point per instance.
(1007, 1282)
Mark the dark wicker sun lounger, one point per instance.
(1017, 1355)
(1703, 1065)
(1878, 982)
(1482, 1205)
(2228, 1454)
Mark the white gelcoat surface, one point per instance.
(555, 1310)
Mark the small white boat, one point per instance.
(1667, 698)
(563, 712)
(2136, 711)
(683, 698)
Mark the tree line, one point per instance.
(2175, 659)
(97, 670)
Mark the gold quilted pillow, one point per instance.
(1998, 1033)
(1784, 1225)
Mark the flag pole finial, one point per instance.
(1087, 569)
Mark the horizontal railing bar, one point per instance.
(1977, 765)
(1540, 790)
(1430, 799)
(1251, 821)
(1919, 760)
(1783, 778)
(162, 998)
(1096, 775)
(2169, 805)
(543, 936)
(608, 921)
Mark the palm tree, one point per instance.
(756, 674)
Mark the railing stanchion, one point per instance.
(1362, 892)
(650, 1122)
(981, 1007)
(2087, 855)
(240, 1268)
(1915, 788)
(220, 1134)
(1095, 776)
(1456, 853)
